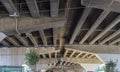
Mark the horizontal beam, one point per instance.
(82, 60)
(27, 24)
(23, 50)
(48, 61)
(112, 49)
(112, 5)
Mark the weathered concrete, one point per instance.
(32, 5)
(43, 37)
(9, 6)
(112, 5)
(96, 48)
(54, 8)
(27, 24)
(95, 25)
(79, 25)
(110, 26)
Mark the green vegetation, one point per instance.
(32, 57)
(110, 67)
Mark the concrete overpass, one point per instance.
(69, 32)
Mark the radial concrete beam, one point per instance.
(3, 42)
(110, 26)
(78, 55)
(43, 55)
(10, 7)
(55, 36)
(61, 62)
(43, 37)
(84, 55)
(79, 25)
(65, 63)
(115, 41)
(54, 8)
(110, 37)
(91, 56)
(61, 37)
(13, 41)
(95, 25)
(32, 39)
(66, 53)
(23, 41)
(34, 10)
(55, 54)
(72, 54)
(49, 55)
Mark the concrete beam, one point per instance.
(34, 10)
(48, 61)
(54, 7)
(10, 7)
(28, 24)
(110, 37)
(84, 55)
(112, 5)
(49, 55)
(91, 56)
(46, 50)
(95, 25)
(3, 42)
(110, 26)
(78, 55)
(96, 48)
(55, 36)
(32, 39)
(24, 50)
(66, 53)
(43, 55)
(79, 25)
(61, 35)
(23, 41)
(82, 60)
(115, 41)
(61, 63)
(65, 63)
(13, 41)
(55, 54)
(72, 54)
(43, 37)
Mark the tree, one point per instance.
(32, 57)
(110, 66)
